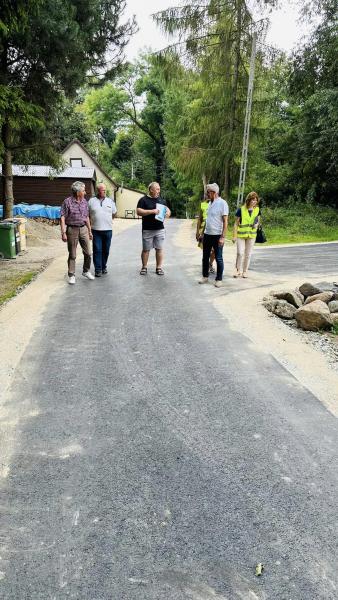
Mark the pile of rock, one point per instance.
(314, 307)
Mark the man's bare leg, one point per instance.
(144, 258)
(159, 258)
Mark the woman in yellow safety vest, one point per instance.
(202, 217)
(245, 231)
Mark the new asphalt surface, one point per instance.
(305, 259)
(164, 455)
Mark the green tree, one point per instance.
(133, 109)
(44, 54)
(135, 99)
(217, 46)
(301, 150)
(69, 123)
(120, 106)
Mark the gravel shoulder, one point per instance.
(311, 358)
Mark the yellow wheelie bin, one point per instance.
(22, 230)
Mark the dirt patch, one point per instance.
(41, 234)
(304, 355)
(43, 244)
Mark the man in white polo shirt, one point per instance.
(214, 234)
(102, 211)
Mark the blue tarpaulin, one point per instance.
(34, 210)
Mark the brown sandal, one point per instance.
(144, 271)
(159, 271)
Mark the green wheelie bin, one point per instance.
(7, 240)
(16, 223)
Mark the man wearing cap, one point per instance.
(214, 234)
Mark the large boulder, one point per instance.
(284, 309)
(280, 308)
(323, 296)
(327, 286)
(298, 292)
(270, 303)
(269, 297)
(333, 306)
(307, 289)
(294, 297)
(314, 316)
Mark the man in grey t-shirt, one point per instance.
(214, 233)
(102, 211)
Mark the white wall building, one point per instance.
(126, 198)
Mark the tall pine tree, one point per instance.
(215, 39)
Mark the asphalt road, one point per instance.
(308, 259)
(165, 456)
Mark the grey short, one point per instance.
(153, 238)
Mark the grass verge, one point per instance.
(13, 283)
(296, 224)
(334, 329)
(300, 224)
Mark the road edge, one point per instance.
(240, 304)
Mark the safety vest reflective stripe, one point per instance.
(247, 229)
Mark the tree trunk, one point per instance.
(227, 179)
(160, 163)
(7, 173)
(205, 181)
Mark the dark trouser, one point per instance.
(101, 247)
(209, 242)
(75, 236)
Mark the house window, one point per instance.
(76, 162)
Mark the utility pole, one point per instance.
(244, 159)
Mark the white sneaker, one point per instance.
(218, 283)
(88, 275)
(71, 279)
(204, 280)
